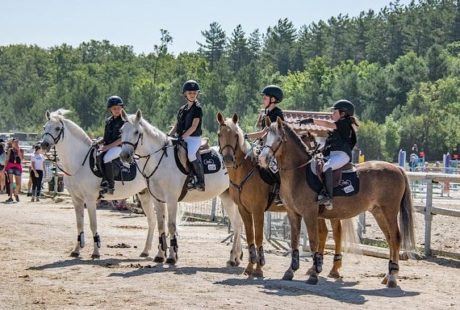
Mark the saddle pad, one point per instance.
(348, 186)
(209, 158)
(120, 173)
(268, 176)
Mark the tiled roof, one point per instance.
(292, 118)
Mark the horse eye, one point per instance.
(57, 128)
(136, 132)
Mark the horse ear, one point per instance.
(220, 118)
(47, 114)
(235, 118)
(124, 116)
(268, 121)
(138, 116)
(279, 121)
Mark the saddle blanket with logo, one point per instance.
(209, 158)
(348, 185)
(120, 171)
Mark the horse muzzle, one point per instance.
(45, 146)
(229, 161)
(126, 156)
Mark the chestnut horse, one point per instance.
(251, 193)
(384, 191)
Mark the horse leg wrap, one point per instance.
(261, 255)
(295, 260)
(97, 240)
(337, 257)
(162, 245)
(318, 262)
(81, 239)
(252, 254)
(173, 244)
(392, 267)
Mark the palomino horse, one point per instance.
(165, 182)
(73, 146)
(384, 191)
(251, 193)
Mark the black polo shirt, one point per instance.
(185, 118)
(112, 129)
(273, 115)
(341, 139)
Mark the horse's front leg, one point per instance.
(79, 208)
(294, 221)
(311, 221)
(174, 247)
(231, 209)
(147, 205)
(162, 245)
(91, 207)
(259, 237)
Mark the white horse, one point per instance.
(165, 182)
(72, 146)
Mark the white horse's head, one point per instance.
(131, 133)
(53, 130)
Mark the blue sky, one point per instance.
(138, 22)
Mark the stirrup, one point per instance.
(325, 201)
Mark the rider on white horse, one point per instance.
(112, 143)
(188, 127)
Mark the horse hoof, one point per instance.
(288, 275)
(248, 271)
(74, 254)
(158, 259)
(95, 256)
(258, 274)
(334, 275)
(392, 284)
(313, 280)
(144, 254)
(232, 263)
(170, 261)
(310, 271)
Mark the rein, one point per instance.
(148, 156)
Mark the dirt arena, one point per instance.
(37, 272)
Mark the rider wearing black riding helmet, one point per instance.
(339, 143)
(111, 143)
(188, 127)
(271, 96)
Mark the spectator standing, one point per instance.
(13, 167)
(2, 166)
(37, 166)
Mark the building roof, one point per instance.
(292, 118)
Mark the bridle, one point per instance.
(232, 148)
(147, 177)
(58, 137)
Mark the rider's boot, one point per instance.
(198, 168)
(326, 196)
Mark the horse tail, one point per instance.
(350, 237)
(406, 218)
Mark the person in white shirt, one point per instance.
(37, 162)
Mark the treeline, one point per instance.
(400, 66)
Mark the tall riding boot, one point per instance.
(108, 169)
(198, 167)
(326, 199)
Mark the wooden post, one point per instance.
(213, 209)
(428, 216)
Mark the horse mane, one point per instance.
(244, 145)
(296, 138)
(149, 128)
(58, 115)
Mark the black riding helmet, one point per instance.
(273, 91)
(114, 101)
(344, 106)
(190, 85)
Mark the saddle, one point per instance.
(345, 179)
(208, 156)
(121, 172)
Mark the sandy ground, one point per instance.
(37, 272)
